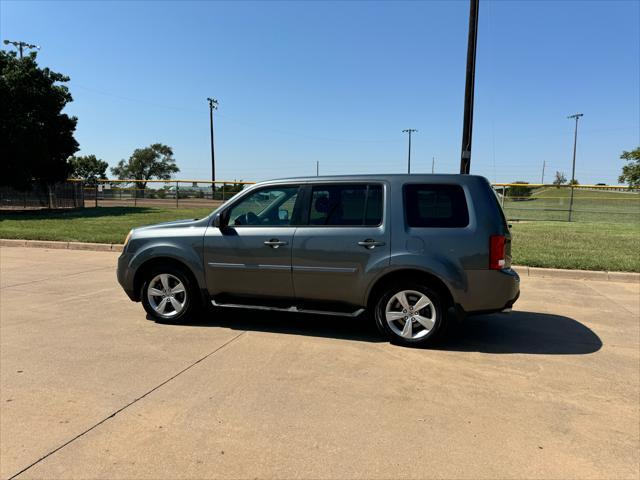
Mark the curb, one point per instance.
(94, 247)
(603, 276)
(524, 271)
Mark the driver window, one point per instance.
(268, 206)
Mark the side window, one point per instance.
(346, 205)
(269, 206)
(436, 206)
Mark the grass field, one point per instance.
(96, 225)
(575, 245)
(582, 245)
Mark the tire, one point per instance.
(396, 306)
(169, 295)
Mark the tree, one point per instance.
(520, 192)
(89, 168)
(574, 182)
(560, 179)
(154, 161)
(631, 171)
(36, 138)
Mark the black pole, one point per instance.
(573, 168)
(465, 158)
(212, 105)
(409, 158)
(409, 131)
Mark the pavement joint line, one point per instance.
(112, 415)
(52, 278)
(609, 299)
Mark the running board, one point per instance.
(292, 309)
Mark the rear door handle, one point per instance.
(370, 243)
(275, 243)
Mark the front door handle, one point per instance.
(275, 243)
(370, 243)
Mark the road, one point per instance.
(91, 388)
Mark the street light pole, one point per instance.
(21, 45)
(573, 168)
(409, 131)
(213, 105)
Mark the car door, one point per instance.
(343, 243)
(249, 255)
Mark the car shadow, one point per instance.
(499, 333)
(522, 332)
(358, 328)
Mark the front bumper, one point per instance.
(126, 276)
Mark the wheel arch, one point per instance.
(153, 262)
(413, 275)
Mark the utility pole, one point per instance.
(317, 168)
(544, 163)
(573, 168)
(433, 164)
(467, 126)
(409, 131)
(21, 45)
(213, 105)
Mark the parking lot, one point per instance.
(90, 388)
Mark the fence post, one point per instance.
(177, 196)
(135, 194)
(223, 185)
(96, 194)
(504, 190)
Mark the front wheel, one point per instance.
(410, 314)
(167, 294)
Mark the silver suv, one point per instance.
(412, 250)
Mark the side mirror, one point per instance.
(220, 220)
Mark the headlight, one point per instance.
(126, 240)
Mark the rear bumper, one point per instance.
(490, 291)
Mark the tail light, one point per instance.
(496, 252)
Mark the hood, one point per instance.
(175, 223)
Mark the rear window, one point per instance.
(436, 206)
(346, 205)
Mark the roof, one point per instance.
(437, 177)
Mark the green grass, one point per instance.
(96, 225)
(550, 203)
(581, 245)
(575, 245)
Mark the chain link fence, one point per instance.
(579, 203)
(164, 193)
(60, 195)
(520, 201)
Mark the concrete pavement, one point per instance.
(91, 388)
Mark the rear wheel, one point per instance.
(410, 314)
(168, 294)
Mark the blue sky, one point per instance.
(337, 82)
